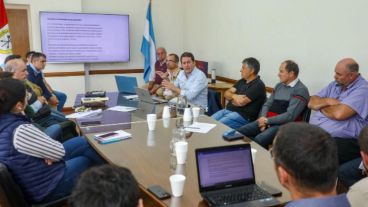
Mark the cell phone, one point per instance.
(159, 192)
(232, 135)
(90, 123)
(270, 189)
(108, 135)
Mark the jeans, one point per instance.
(230, 118)
(253, 132)
(58, 116)
(349, 172)
(62, 99)
(79, 156)
(55, 132)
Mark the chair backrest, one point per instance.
(203, 66)
(306, 114)
(10, 193)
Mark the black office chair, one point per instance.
(12, 196)
(306, 114)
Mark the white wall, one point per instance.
(168, 18)
(316, 34)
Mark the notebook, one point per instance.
(126, 84)
(226, 177)
(145, 96)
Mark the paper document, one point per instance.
(200, 127)
(131, 97)
(84, 114)
(122, 108)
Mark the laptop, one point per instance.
(145, 96)
(126, 84)
(226, 177)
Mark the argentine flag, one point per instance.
(148, 48)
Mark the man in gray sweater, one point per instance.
(286, 104)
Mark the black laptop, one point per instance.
(226, 177)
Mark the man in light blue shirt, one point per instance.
(191, 82)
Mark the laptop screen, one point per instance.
(223, 167)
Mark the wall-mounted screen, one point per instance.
(84, 38)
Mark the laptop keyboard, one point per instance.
(248, 193)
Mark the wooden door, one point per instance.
(18, 26)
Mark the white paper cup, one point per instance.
(181, 149)
(151, 142)
(177, 185)
(166, 122)
(187, 115)
(151, 121)
(166, 112)
(195, 111)
(254, 152)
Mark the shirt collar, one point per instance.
(352, 83)
(36, 72)
(293, 83)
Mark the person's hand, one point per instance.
(162, 74)
(53, 100)
(238, 100)
(262, 122)
(167, 84)
(42, 99)
(48, 161)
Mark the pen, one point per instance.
(192, 127)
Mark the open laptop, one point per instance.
(226, 177)
(126, 84)
(145, 96)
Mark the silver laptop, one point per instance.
(145, 96)
(226, 177)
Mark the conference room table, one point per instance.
(147, 153)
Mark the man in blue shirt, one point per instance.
(191, 82)
(35, 75)
(306, 163)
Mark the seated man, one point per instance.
(35, 75)
(357, 194)
(171, 74)
(191, 82)
(106, 185)
(160, 66)
(285, 104)
(306, 163)
(342, 108)
(245, 98)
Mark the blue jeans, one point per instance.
(62, 99)
(54, 131)
(230, 118)
(79, 156)
(253, 132)
(58, 116)
(349, 172)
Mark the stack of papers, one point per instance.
(200, 127)
(84, 114)
(93, 99)
(109, 137)
(122, 108)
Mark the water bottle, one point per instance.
(213, 75)
(181, 105)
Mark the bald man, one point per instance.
(160, 65)
(342, 108)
